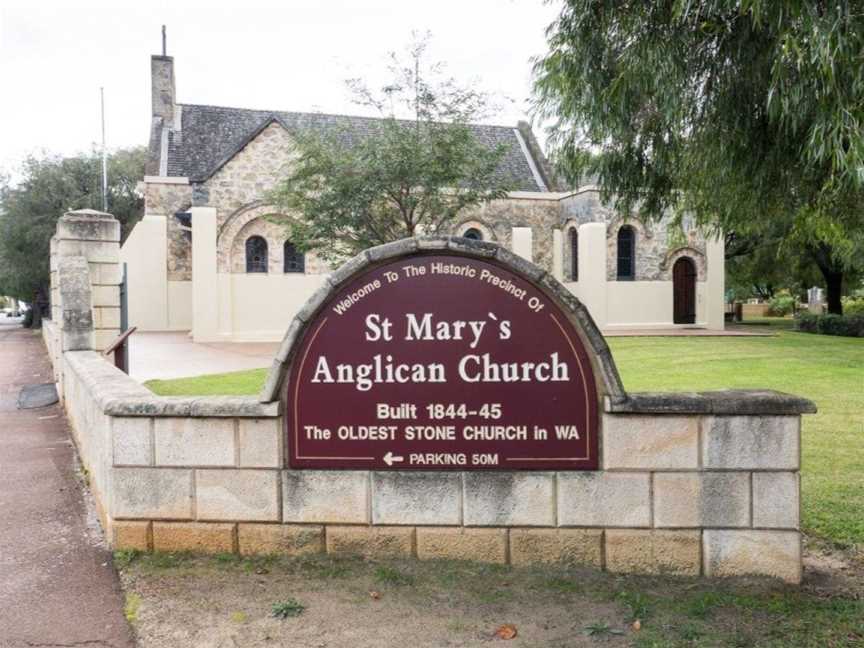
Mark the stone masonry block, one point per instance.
(259, 443)
(557, 546)
(237, 495)
(194, 441)
(106, 274)
(720, 499)
(156, 493)
(334, 496)
(285, 539)
(106, 296)
(107, 317)
(653, 552)
(371, 542)
(130, 534)
(458, 543)
(776, 500)
(432, 498)
(753, 552)
(93, 251)
(88, 225)
(206, 537)
(599, 499)
(104, 338)
(650, 442)
(509, 499)
(133, 443)
(751, 442)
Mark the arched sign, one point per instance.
(441, 362)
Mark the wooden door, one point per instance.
(684, 289)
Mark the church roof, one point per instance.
(209, 136)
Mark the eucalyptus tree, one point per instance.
(413, 169)
(45, 187)
(746, 113)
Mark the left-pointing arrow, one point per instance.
(390, 458)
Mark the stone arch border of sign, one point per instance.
(608, 383)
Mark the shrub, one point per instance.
(781, 304)
(853, 305)
(831, 324)
(806, 322)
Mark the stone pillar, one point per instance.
(205, 284)
(592, 270)
(93, 238)
(523, 242)
(558, 255)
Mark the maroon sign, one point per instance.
(441, 363)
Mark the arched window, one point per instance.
(574, 254)
(295, 261)
(626, 253)
(473, 233)
(256, 254)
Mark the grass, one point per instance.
(288, 608)
(672, 612)
(235, 383)
(829, 370)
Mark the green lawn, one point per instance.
(828, 370)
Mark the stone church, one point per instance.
(205, 258)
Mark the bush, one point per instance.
(807, 322)
(781, 304)
(853, 305)
(830, 324)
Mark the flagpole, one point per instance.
(104, 156)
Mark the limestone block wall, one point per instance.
(689, 484)
(686, 488)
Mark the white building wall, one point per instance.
(145, 253)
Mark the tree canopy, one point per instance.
(48, 187)
(743, 112)
(347, 191)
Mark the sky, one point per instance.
(289, 55)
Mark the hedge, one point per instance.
(830, 324)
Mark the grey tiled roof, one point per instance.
(210, 135)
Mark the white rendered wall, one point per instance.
(558, 254)
(144, 254)
(591, 287)
(205, 289)
(715, 288)
(179, 305)
(259, 307)
(523, 242)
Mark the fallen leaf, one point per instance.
(637, 625)
(374, 595)
(506, 631)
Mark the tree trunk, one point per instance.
(833, 275)
(833, 285)
(38, 308)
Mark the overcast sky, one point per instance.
(290, 55)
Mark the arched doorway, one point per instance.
(684, 289)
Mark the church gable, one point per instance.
(253, 170)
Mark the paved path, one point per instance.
(175, 355)
(57, 585)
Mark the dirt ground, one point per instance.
(226, 601)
